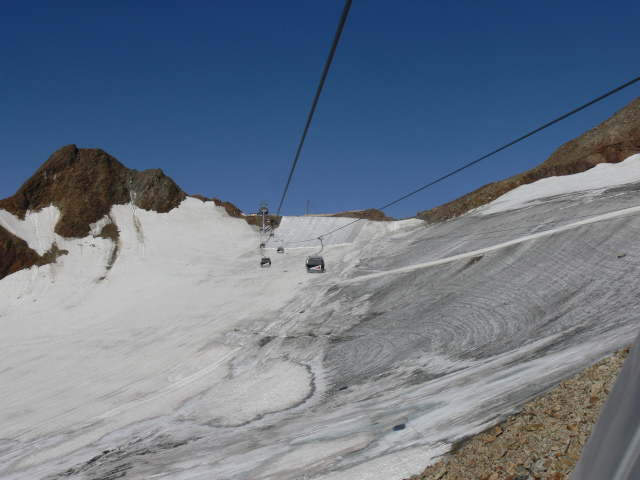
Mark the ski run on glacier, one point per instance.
(169, 353)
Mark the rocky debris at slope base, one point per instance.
(544, 441)
(612, 141)
(85, 183)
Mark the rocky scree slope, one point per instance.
(612, 141)
(544, 441)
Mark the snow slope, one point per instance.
(183, 359)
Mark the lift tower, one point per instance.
(264, 210)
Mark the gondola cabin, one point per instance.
(280, 249)
(315, 264)
(265, 262)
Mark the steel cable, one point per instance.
(487, 155)
(315, 101)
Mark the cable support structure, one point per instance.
(635, 80)
(315, 101)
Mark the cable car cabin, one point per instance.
(280, 249)
(265, 262)
(315, 264)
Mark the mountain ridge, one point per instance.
(85, 183)
(612, 141)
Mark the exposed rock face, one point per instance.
(229, 207)
(85, 183)
(610, 142)
(15, 254)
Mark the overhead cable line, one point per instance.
(315, 101)
(486, 156)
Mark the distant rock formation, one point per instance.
(612, 141)
(370, 214)
(84, 184)
(229, 207)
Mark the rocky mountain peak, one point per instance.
(85, 183)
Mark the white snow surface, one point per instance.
(603, 175)
(171, 354)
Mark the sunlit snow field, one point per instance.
(186, 360)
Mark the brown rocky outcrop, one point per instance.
(235, 212)
(15, 254)
(229, 207)
(85, 183)
(612, 141)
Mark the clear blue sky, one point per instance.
(217, 93)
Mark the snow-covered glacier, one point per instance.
(169, 353)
